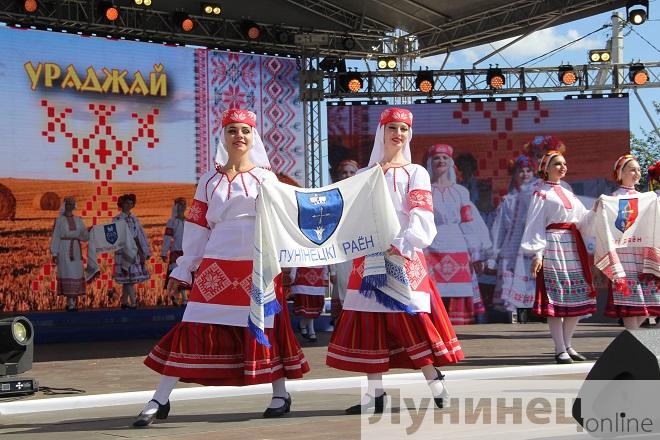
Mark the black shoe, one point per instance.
(563, 361)
(377, 403)
(439, 401)
(147, 419)
(577, 357)
(272, 413)
(311, 338)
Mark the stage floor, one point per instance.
(110, 370)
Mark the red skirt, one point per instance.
(374, 342)
(622, 311)
(308, 306)
(223, 355)
(542, 306)
(462, 310)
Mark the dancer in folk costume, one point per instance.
(137, 272)
(515, 288)
(340, 272)
(309, 287)
(637, 296)
(654, 177)
(173, 246)
(462, 243)
(68, 232)
(564, 290)
(213, 345)
(370, 337)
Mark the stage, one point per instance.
(100, 387)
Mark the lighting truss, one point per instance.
(154, 25)
(469, 82)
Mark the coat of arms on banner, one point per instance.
(628, 211)
(319, 213)
(111, 234)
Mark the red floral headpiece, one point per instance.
(395, 114)
(233, 116)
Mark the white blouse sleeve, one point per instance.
(196, 233)
(55, 240)
(421, 228)
(474, 228)
(533, 239)
(168, 238)
(501, 224)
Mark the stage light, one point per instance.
(16, 353)
(31, 6)
(211, 8)
(350, 82)
(567, 75)
(637, 11)
(495, 78)
(109, 10)
(329, 63)
(143, 2)
(386, 63)
(424, 81)
(250, 29)
(183, 21)
(638, 74)
(600, 56)
(348, 43)
(282, 36)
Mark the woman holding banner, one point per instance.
(371, 335)
(635, 297)
(213, 345)
(564, 290)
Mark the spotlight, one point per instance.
(638, 74)
(567, 75)
(424, 81)
(637, 11)
(600, 56)
(109, 10)
(495, 78)
(282, 36)
(329, 63)
(350, 82)
(251, 30)
(210, 8)
(30, 6)
(183, 21)
(386, 63)
(16, 353)
(348, 43)
(143, 2)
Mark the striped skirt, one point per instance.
(562, 289)
(308, 306)
(374, 342)
(641, 294)
(223, 355)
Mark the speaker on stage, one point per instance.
(621, 392)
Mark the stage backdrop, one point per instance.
(95, 118)
(595, 133)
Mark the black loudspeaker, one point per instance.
(620, 394)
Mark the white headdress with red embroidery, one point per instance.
(257, 152)
(392, 114)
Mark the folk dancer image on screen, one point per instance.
(309, 287)
(136, 272)
(66, 252)
(173, 247)
(636, 297)
(553, 238)
(515, 287)
(212, 345)
(462, 243)
(372, 336)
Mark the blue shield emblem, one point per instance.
(111, 234)
(628, 211)
(319, 213)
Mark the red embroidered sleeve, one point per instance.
(197, 213)
(420, 198)
(466, 214)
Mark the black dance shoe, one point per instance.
(377, 403)
(272, 413)
(577, 357)
(439, 400)
(563, 361)
(147, 419)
